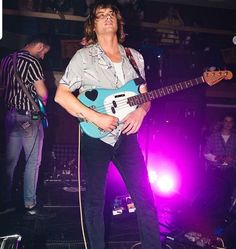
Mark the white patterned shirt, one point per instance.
(91, 68)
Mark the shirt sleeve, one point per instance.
(139, 61)
(73, 73)
(35, 71)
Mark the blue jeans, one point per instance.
(128, 158)
(22, 132)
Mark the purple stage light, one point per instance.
(166, 183)
(164, 177)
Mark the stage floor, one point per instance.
(181, 225)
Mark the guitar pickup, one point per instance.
(120, 95)
(113, 110)
(114, 103)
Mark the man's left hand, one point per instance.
(133, 121)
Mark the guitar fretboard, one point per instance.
(161, 92)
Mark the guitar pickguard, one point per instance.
(116, 104)
(109, 101)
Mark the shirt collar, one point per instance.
(96, 50)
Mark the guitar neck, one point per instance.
(161, 92)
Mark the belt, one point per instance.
(23, 112)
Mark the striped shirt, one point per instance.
(29, 70)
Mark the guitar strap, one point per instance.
(134, 64)
(19, 80)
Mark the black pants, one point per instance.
(128, 158)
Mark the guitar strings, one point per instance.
(120, 105)
(162, 92)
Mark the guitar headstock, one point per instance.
(213, 77)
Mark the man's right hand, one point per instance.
(105, 122)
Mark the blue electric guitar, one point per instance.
(42, 112)
(120, 102)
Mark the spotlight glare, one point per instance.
(165, 183)
(152, 176)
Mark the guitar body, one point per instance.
(43, 113)
(108, 101)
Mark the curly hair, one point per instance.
(89, 33)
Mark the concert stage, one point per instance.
(182, 227)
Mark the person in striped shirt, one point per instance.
(23, 129)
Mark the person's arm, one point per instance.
(145, 106)
(41, 90)
(133, 121)
(210, 157)
(68, 101)
(209, 154)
